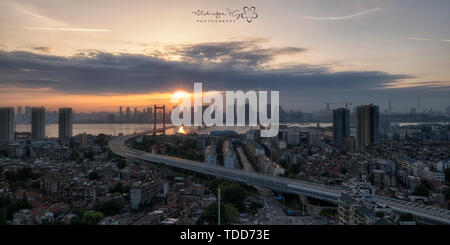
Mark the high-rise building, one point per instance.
(211, 155)
(229, 155)
(65, 122)
(19, 114)
(27, 115)
(149, 110)
(128, 113)
(7, 123)
(313, 137)
(341, 125)
(37, 123)
(368, 126)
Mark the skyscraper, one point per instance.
(149, 113)
(341, 125)
(37, 123)
(19, 114)
(65, 122)
(7, 123)
(27, 115)
(128, 113)
(368, 125)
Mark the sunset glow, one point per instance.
(181, 130)
(180, 95)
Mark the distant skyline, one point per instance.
(99, 55)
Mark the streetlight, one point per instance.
(218, 206)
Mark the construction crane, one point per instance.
(344, 103)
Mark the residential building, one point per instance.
(65, 123)
(368, 126)
(7, 124)
(38, 123)
(341, 125)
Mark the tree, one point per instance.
(122, 164)
(234, 194)
(231, 192)
(74, 156)
(18, 185)
(427, 184)
(447, 194)
(91, 217)
(25, 203)
(214, 184)
(447, 174)
(253, 207)
(20, 175)
(101, 140)
(10, 175)
(406, 217)
(328, 212)
(295, 169)
(110, 207)
(24, 173)
(78, 217)
(421, 190)
(231, 212)
(93, 176)
(283, 163)
(119, 188)
(3, 213)
(228, 214)
(9, 206)
(89, 155)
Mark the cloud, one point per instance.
(65, 29)
(43, 49)
(428, 39)
(57, 29)
(237, 65)
(29, 11)
(247, 54)
(36, 21)
(346, 17)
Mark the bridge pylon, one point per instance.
(155, 109)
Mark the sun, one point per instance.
(181, 130)
(180, 94)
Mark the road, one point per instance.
(272, 213)
(426, 214)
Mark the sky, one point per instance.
(95, 55)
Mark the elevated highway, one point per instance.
(331, 194)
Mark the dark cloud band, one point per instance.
(221, 66)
